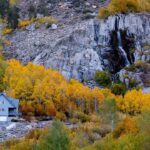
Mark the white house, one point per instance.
(8, 107)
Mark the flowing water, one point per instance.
(122, 51)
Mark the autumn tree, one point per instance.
(128, 125)
(45, 92)
(134, 102)
(124, 6)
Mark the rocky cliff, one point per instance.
(123, 39)
(78, 49)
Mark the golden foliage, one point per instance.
(103, 13)
(23, 145)
(24, 23)
(48, 20)
(6, 31)
(124, 6)
(127, 126)
(133, 102)
(13, 2)
(45, 91)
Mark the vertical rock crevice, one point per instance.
(119, 49)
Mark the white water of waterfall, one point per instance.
(122, 51)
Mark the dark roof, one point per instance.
(12, 101)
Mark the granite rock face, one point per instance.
(78, 50)
(63, 10)
(68, 49)
(134, 30)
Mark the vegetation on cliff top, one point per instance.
(124, 6)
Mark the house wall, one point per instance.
(16, 103)
(4, 118)
(4, 105)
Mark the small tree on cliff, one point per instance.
(13, 16)
(3, 8)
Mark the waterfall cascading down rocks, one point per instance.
(121, 50)
(120, 46)
(119, 43)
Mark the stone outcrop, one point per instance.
(135, 36)
(78, 49)
(68, 49)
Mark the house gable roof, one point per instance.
(13, 102)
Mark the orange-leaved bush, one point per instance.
(128, 125)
